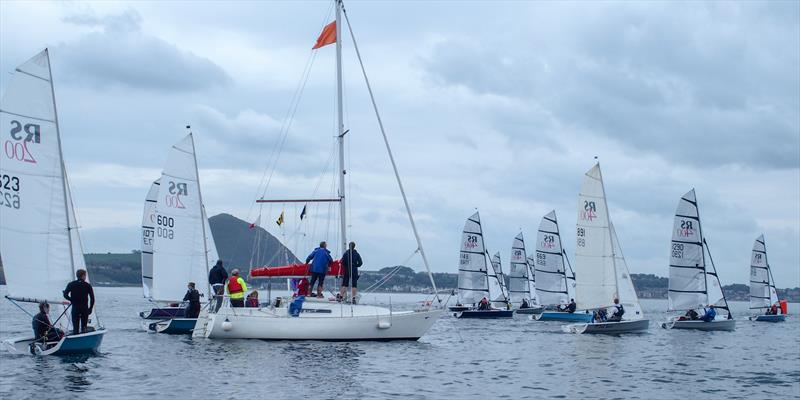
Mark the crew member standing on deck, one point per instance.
(320, 259)
(236, 289)
(216, 278)
(81, 295)
(351, 260)
(193, 297)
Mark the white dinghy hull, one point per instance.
(329, 322)
(612, 328)
(715, 325)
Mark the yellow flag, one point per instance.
(280, 220)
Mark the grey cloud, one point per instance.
(121, 54)
(709, 86)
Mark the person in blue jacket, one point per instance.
(320, 259)
(710, 314)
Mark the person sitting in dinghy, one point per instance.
(619, 311)
(524, 304)
(320, 260)
(43, 330)
(571, 307)
(710, 314)
(193, 297)
(601, 315)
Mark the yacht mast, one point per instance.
(340, 125)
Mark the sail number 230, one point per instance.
(9, 191)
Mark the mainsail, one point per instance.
(182, 247)
(519, 284)
(497, 293)
(599, 262)
(39, 239)
(148, 234)
(472, 271)
(762, 287)
(687, 268)
(552, 286)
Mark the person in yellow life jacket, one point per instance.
(236, 289)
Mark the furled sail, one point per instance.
(687, 267)
(552, 286)
(472, 268)
(182, 240)
(518, 275)
(39, 240)
(148, 234)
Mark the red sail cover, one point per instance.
(292, 271)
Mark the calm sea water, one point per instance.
(457, 359)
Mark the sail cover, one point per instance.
(687, 279)
(496, 281)
(38, 222)
(180, 250)
(762, 289)
(518, 279)
(594, 256)
(551, 285)
(148, 233)
(472, 278)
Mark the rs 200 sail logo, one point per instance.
(22, 137)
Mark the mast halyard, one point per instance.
(340, 126)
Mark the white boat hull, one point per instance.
(331, 322)
(629, 326)
(715, 325)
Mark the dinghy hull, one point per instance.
(84, 343)
(174, 326)
(458, 308)
(164, 313)
(768, 318)
(563, 316)
(327, 322)
(529, 311)
(716, 325)
(485, 314)
(611, 328)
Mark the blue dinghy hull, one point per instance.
(564, 316)
(84, 343)
(769, 318)
(164, 313)
(174, 326)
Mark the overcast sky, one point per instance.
(499, 106)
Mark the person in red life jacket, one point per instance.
(252, 299)
(302, 288)
(236, 289)
(483, 304)
(81, 295)
(773, 310)
(320, 260)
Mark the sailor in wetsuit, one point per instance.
(193, 297)
(43, 329)
(81, 295)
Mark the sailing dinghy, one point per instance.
(555, 286)
(177, 244)
(329, 320)
(523, 279)
(474, 279)
(600, 267)
(39, 239)
(693, 283)
(763, 294)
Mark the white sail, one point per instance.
(518, 275)
(762, 289)
(472, 271)
(552, 286)
(687, 267)
(148, 234)
(39, 240)
(180, 252)
(496, 286)
(211, 247)
(627, 292)
(594, 254)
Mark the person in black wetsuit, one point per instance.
(351, 261)
(81, 295)
(571, 307)
(43, 329)
(193, 297)
(217, 278)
